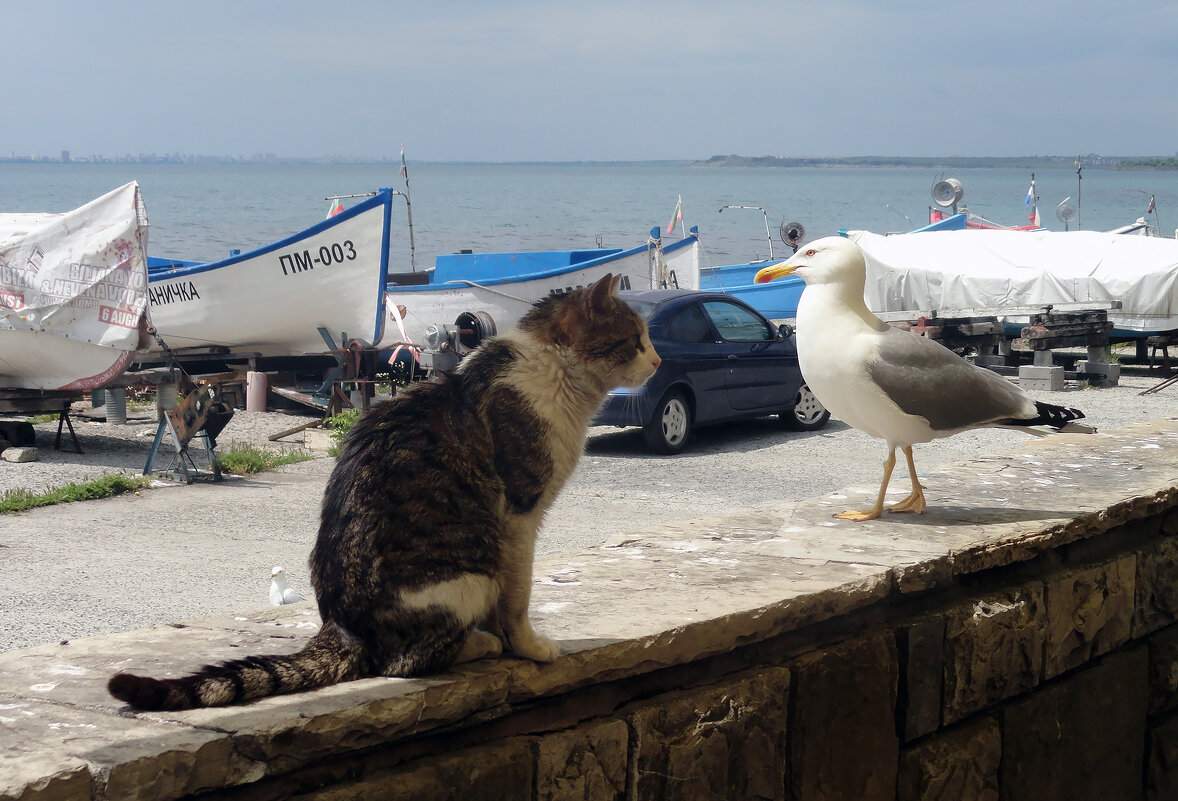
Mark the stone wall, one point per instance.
(981, 651)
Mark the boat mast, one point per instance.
(408, 210)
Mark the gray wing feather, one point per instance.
(925, 378)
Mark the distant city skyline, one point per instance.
(531, 81)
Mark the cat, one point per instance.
(430, 515)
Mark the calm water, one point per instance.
(201, 212)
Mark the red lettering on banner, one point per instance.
(12, 300)
(121, 317)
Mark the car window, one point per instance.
(644, 308)
(689, 325)
(736, 323)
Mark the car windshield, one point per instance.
(644, 308)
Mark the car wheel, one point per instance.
(670, 428)
(808, 413)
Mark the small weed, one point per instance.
(244, 460)
(21, 500)
(340, 425)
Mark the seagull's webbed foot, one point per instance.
(913, 503)
(877, 510)
(859, 517)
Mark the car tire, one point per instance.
(669, 429)
(807, 414)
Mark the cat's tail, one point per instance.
(330, 657)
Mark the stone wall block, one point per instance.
(1157, 587)
(724, 741)
(1089, 613)
(1161, 769)
(1163, 671)
(1081, 737)
(959, 765)
(843, 742)
(922, 660)
(1170, 523)
(500, 772)
(993, 650)
(587, 763)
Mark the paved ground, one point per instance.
(179, 552)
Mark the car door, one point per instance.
(687, 344)
(760, 367)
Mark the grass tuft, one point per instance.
(245, 460)
(21, 500)
(340, 425)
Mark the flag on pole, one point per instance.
(1035, 219)
(676, 215)
(335, 208)
(1030, 194)
(404, 169)
(1152, 205)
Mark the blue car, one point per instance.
(722, 361)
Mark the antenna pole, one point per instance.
(1079, 198)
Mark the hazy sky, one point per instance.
(516, 80)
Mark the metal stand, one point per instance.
(182, 462)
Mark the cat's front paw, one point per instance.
(536, 647)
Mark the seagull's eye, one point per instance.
(811, 252)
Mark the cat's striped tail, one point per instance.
(330, 657)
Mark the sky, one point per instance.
(612, 80)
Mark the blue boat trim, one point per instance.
(562, 262)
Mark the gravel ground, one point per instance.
(180, 552)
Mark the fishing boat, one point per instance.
(73, 293)
(275, 300)
(996, 271)
(447, 310)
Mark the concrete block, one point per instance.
(1036, 377)
(1110, 373)
(19, 454)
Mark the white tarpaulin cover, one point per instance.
(73, 290)
(997, 270)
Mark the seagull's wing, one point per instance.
(925, 378)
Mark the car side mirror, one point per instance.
(784, 331)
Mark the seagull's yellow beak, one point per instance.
(767, 274)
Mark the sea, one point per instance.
(202, 212)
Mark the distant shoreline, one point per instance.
(1090, 161)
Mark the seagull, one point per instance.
(280, 591)
(890, 383)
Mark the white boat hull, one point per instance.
(505, 301)
(272, 301)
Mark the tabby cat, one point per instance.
(430, 516)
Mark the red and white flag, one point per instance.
(676, 215)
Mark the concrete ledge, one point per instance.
(657, 611)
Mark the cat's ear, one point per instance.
(601, 292)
